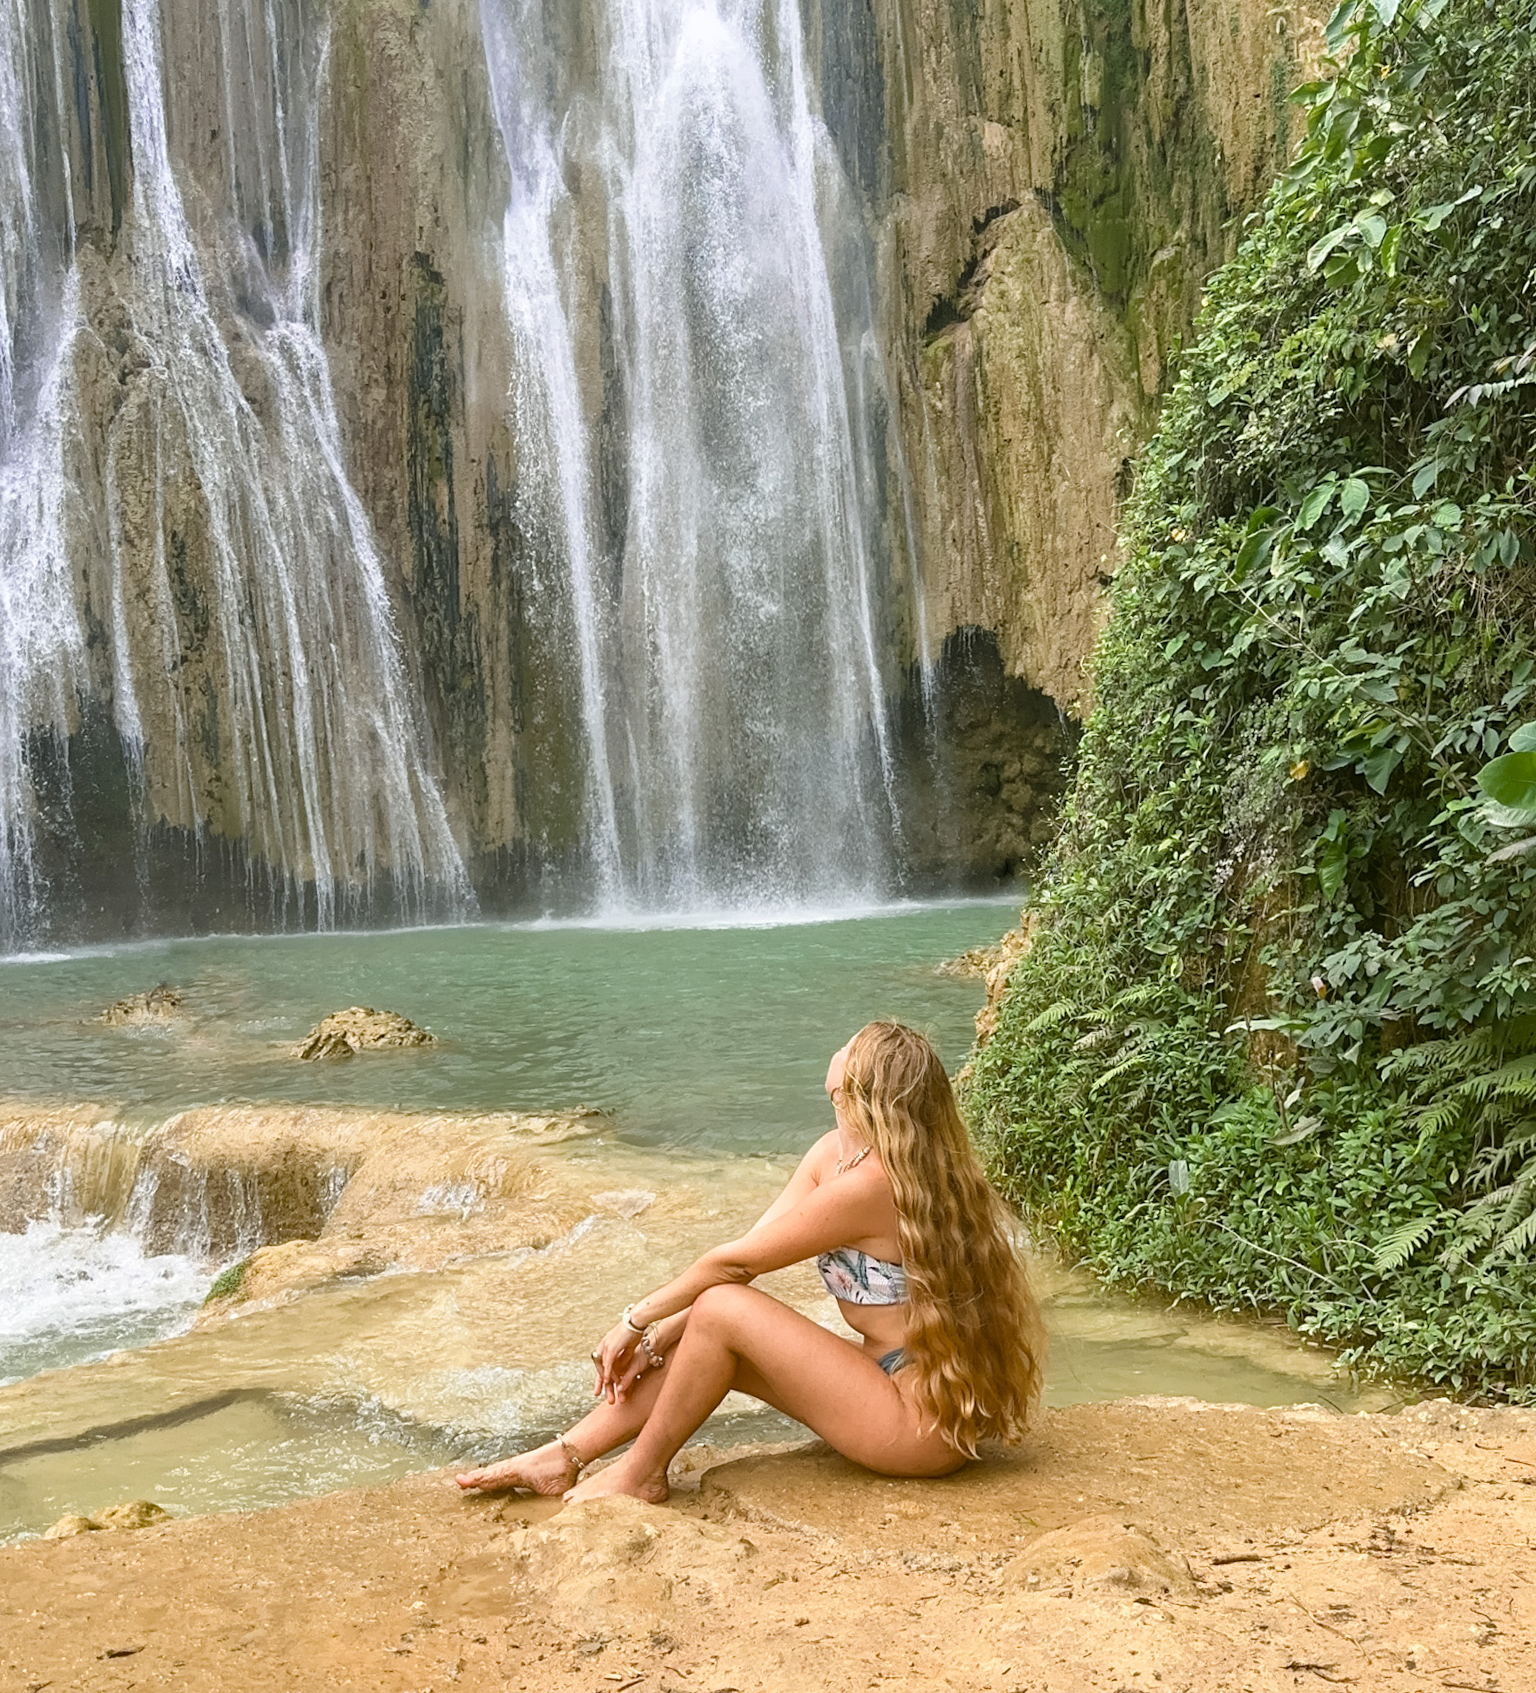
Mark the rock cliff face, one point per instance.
(1031, 193)
(1061, 177)
(1046, 182)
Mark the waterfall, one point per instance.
(42, 641)
(695, 323)
(250, 659)
(199, 661)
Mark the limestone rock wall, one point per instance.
(1061, 176)
(415, 187)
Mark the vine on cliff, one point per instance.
(1280, 929)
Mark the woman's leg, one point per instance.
(547, 1469)
(739, 1337)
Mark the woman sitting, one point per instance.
(916, 1247)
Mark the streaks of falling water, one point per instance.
(295, 676)
(731, 651)
(42, 643)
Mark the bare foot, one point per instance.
(544, 1470)
(621, 1477)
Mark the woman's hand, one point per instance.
(631, 1360)
(615, 1360)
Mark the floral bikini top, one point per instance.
(853, 1275)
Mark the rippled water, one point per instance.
(708, 1037)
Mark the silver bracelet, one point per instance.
(629, 1323)
(657, 1358)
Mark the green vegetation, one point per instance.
(1275, 1043)
(228, 1282)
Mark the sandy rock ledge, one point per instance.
(1155, 1544)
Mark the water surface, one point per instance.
(707, 1037)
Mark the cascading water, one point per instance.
(201, 683)
(719, 525)
(207, 571)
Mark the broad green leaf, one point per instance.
(1354, 497)
(1254, 551)
(1510, 782)
(1178, 1177)
(1386, 10)
(1524, 738)
(1318, 253)
(1378, 766)
(1373, 228)
(1301, 1128)
(1332, 867)
(1338, 24)
(1425, 477)
(1315, 504)
(1433, 216)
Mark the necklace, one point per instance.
(844, 1165)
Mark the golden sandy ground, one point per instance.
(1140, 1545)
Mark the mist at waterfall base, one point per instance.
(209, 708)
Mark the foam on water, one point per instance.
(70, 1294)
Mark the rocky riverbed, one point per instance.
(1137, 1545)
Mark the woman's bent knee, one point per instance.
(725, 1303)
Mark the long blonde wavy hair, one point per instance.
(974, 1342)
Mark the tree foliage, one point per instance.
(1286, 931)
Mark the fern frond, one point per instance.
(1395, 1249)
(1053, 1015)
(1517, 1241)
(1132, 1061)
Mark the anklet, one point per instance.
(574, 1458)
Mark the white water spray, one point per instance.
(731, 654)
(251, 664)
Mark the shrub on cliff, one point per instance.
(1282, 948)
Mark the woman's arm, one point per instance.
(817, 1220)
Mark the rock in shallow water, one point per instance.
(161, 1004)
(361, 1029)
(137, 1513)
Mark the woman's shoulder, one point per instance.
(821, 1159)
